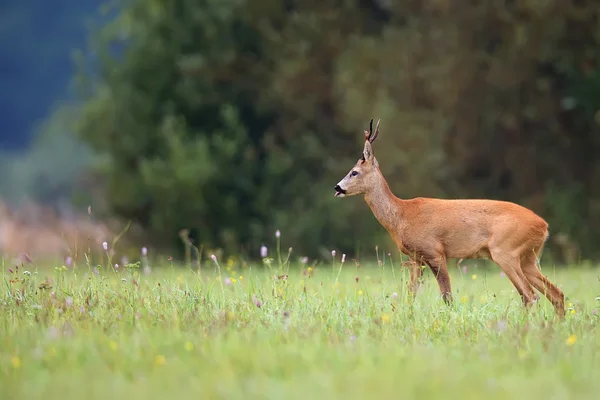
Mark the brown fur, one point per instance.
(430, 231)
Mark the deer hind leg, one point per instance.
(542, 283)
(512, 268)
(440, 271)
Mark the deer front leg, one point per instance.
(440, 271)
(416, 273)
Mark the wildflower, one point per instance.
(15, 361)
(113, 345)
(571, 340)
(105, 246)
(233, 280)
(144, 251)
(385, 318)
(277, 234)
(501, 325)
(360, 292)
(304, 260)
(69, 261)
(256, 301)
(332, 253)
(213, 257)
(343, 258)
(573, 311)
(69, 301)
(160, 360)
(394, 295)
(310, 270)
(241, 277)
(464, 299)
(473, 276)
(189, 346)
(263, 251)
(227, 281)
(116, 267)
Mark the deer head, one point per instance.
(365, 172)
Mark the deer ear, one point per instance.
(368, 151)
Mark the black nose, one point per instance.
(338, 189)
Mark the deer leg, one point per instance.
(440, 271)
(512, 268)
(542, 283)
(416, 273)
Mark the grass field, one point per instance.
(323, 332)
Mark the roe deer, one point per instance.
(430, 231)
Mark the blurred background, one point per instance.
(222, 121)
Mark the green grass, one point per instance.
(176, 334)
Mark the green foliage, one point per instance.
(236, 118)
(236, 332)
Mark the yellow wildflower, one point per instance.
(473, 276)
(241, 277)
(15, 361)
(189, 346)
(113, 345)
(573, 311)
(385, 318)
(160, 360)
(360, 292)
(464, 299)
(310, 269)
(233, 280)
(571, 340)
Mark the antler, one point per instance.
(370, 136)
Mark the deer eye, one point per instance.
(354, 173)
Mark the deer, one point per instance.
(431, 231)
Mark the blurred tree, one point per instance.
(200, 136)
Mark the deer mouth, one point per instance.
(339, 192)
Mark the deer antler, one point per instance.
(370, 136)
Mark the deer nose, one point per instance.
(338, 189)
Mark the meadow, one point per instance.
(291, 330)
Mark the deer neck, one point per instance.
(384, 205)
